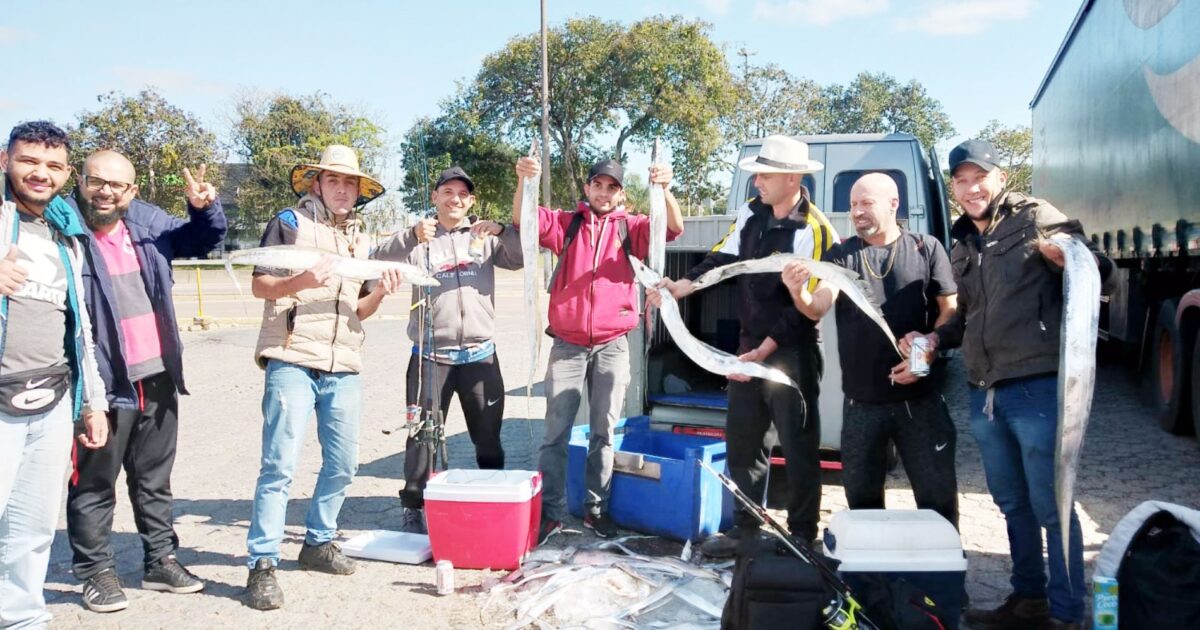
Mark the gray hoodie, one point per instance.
(464, 306)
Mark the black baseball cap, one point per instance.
(978, 152)
(455, 172)
(612, 168)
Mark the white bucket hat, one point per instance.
(781, 154)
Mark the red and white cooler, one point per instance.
(483, 519)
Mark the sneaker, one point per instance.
(326, 558)
(170, 576)
(1017, 613)
(548, 528)
(413, 521)
(601, 524)
(102, 593)
(725, 545)
(262, 589)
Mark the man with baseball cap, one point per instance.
(310, 345)
(593, 306)
(462, 253)
(781, 219)
(1008, 322)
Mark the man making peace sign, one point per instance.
(127, 282)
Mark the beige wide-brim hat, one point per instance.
(781, 154)
(336, 158)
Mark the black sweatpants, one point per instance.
(924, 436)
(753, 408)
(480, 389)
(142, 441)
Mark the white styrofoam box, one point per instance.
(381, 544)
(894, 540)
(484, 486)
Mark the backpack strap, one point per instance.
(568, 238)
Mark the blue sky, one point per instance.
(982, 59)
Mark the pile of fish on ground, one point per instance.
(607, 585)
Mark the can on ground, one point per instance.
(445, 577)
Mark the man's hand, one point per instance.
(389, 283)
(932, 339)
(795, 277)
(425, 229)
(486, 227)
(200, 194)
(757, 355)
(661, 174)
(677, 289)
(12, 275)
(902, 375)
(93, 430)
(1052, 254)
(528, 167)
(315, 277)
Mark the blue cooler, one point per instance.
(918, 545)
(658, 486)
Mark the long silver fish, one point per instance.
(704, 355)
(657, 260)
(846, 281)
(298, 258)
(1076, 369)
(530, 233)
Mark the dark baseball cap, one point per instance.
(455, 172)
(612, 168)
(978, 152)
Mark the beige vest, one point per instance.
(325, 332)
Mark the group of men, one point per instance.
(93, 267)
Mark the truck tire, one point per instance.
(1196, 388)
(1165, 385)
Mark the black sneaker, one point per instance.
(262, 589)
(413, 521)
(170, 576)
(1015, 613)
(601, 524)
(102, 593)
(326, 558)
(548, 528)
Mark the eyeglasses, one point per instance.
(95, 183)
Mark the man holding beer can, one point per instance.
(909, 276)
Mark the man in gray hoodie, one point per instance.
(459, 355)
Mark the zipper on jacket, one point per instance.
(597, 244)
(462, 313)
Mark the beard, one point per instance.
(97, 219)
(25, 199)
(868, 232)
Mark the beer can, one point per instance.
(445, 577)
(916, 358)
(1104, 603)
(412, 415)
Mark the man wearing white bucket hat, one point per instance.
(310, 346)
(781, 219)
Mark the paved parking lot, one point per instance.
(1127, 459)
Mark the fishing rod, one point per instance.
(843, 612)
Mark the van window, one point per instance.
(845, 181)
(751, 191)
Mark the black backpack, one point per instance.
(1158, 583)
(772, 588)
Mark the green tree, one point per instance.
(274, 133)
(1015, 145)
(771, 100)
(661, 76)
(873, 103)
(158, 137)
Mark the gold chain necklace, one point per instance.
(862, 254)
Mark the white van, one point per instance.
(677, 394)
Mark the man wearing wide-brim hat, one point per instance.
(310, 345)
(781, 219)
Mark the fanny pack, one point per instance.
(33, 391)
(459, 356)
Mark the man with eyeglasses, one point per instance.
(48, 376)
(128, 288)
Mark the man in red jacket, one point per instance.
(593, 305)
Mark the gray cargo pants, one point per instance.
(605, 371)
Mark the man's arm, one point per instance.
(206, 225)
(1051, 221)
(385, 286)
(507, 254)
(400, 246)
(267, 287)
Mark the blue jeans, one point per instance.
(1017, 445)
(291, 394)
(35, 452)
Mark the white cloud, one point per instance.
(718, 7)
(819, 12)
(10, 35)
(170, 80)
(966, 17)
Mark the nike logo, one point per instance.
(492, 402)
(33, 399)
(941, 446)
(32, 384)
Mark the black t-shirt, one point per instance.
(907, 288)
